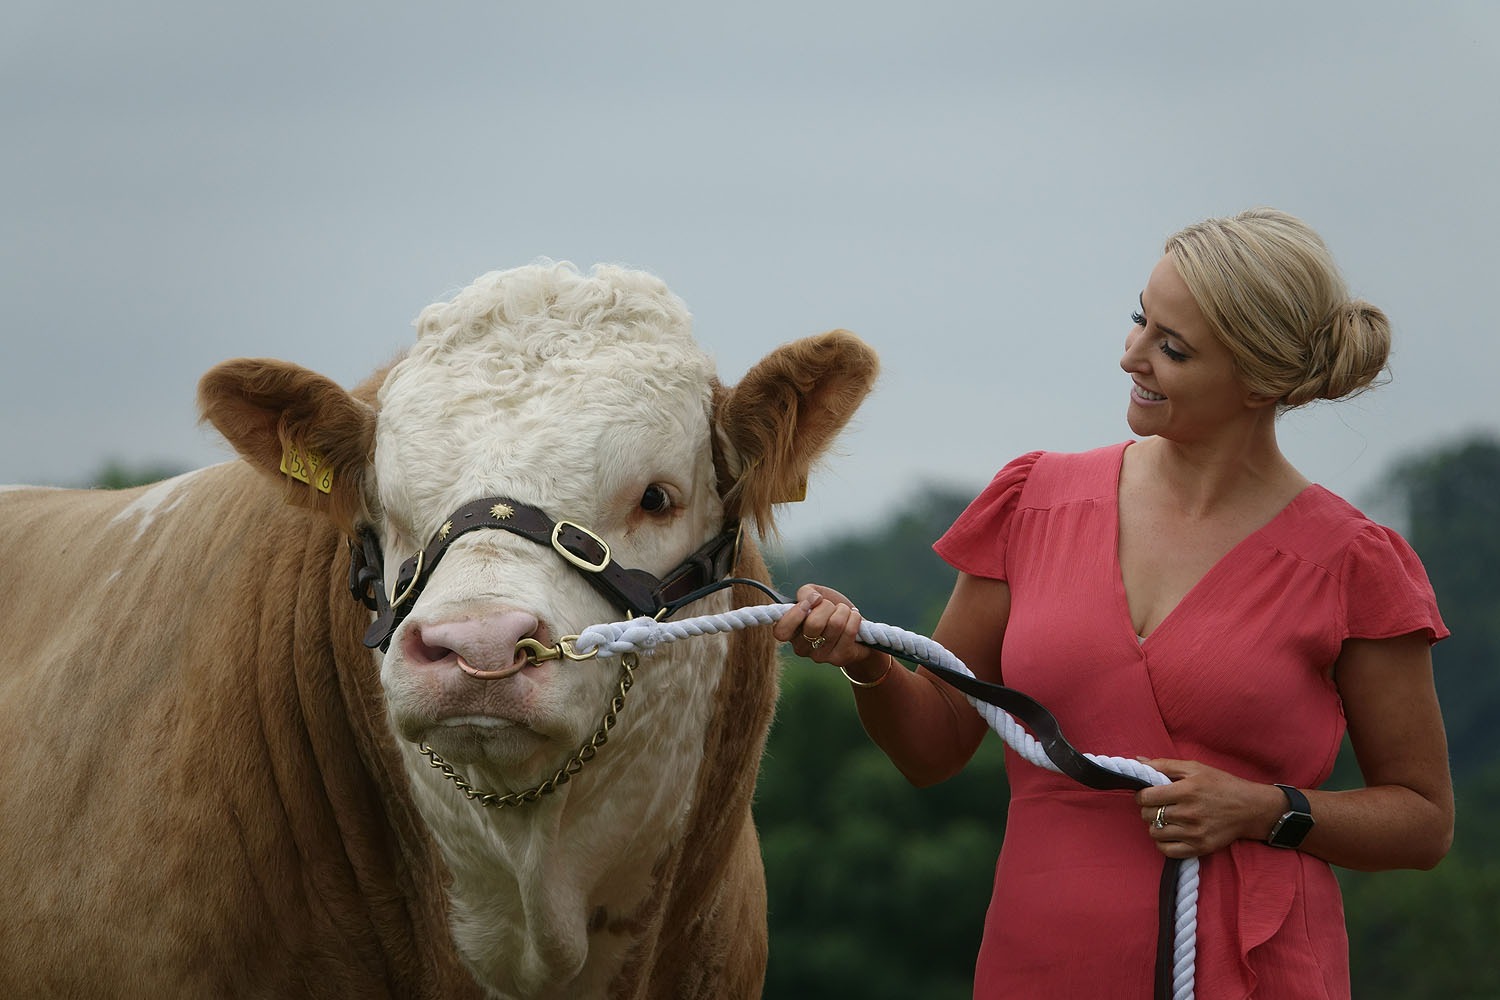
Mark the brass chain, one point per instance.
(574, 764)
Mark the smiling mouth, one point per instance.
(1147, 394)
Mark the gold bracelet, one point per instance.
(890, 661)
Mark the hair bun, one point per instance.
(1347, 352)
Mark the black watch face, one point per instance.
(1292, 828)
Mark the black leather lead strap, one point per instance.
(1040, 722)
(1166, 928)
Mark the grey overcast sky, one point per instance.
(979, 189)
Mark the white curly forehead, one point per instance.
(550, 310)
(533, 368)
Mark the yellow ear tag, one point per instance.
(307, 468)
(796, 494)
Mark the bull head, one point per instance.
(582, 396)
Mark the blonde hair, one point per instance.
(1274, 297)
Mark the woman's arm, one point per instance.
(1401, 818)
(927, 729)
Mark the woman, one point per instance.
(1192, 599)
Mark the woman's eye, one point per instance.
(1137, 318)
(656, 500)
(1171, 354)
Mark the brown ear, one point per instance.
(297, 427)
(784, 414)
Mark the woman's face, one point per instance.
(1185, 387)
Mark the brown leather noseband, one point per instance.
(635, 591)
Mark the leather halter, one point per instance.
(634, 590)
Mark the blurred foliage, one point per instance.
(119, 476)
(1434, 934)
(851, 916)
(1429, 935)
(878, 889)
(1449, 501)
(892, 574)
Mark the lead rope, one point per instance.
(645, 634)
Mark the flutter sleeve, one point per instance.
(977, 541)
(1385, 589)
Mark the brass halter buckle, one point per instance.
(575, 559)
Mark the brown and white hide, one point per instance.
(212, 788)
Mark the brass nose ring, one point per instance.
(491, 675)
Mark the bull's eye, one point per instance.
(656, 500)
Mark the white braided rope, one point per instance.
(645, 634)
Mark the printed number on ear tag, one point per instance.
(308, 468)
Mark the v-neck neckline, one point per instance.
(1175, 612)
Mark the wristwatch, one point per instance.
(1295, 823)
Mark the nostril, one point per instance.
(420, 652)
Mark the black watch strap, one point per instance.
(1295, 823)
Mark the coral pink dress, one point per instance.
(1237, 677)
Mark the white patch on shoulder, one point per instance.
(159, 499)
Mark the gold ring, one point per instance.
(814, 643)
(1161, 818)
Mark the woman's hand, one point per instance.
(1205, 809)
(926, 727)
(823, 626)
